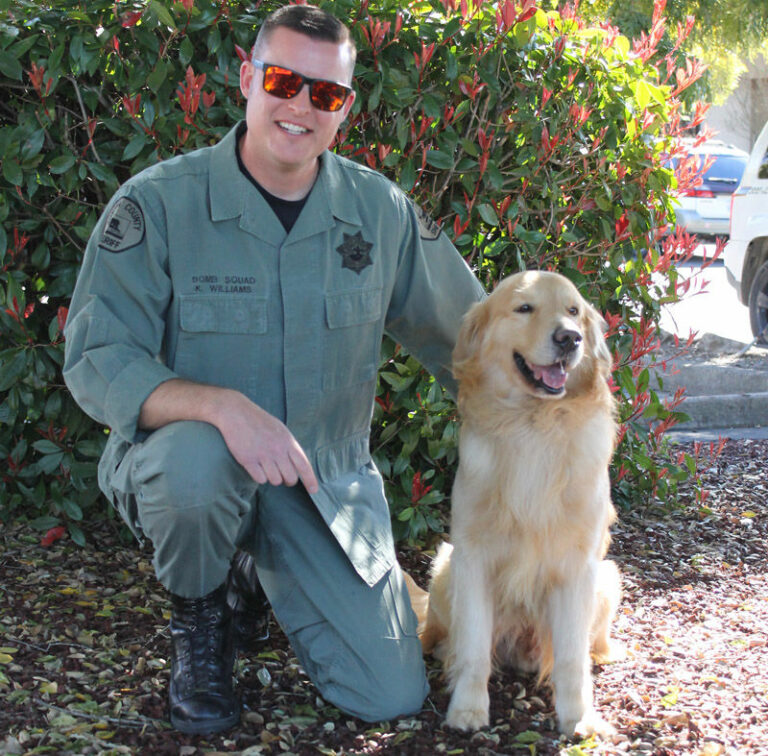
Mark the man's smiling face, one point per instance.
(286, 136)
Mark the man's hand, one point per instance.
(257, 440)
(264, 446)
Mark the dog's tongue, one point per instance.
(553, 376)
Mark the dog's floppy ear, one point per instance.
(596, 328)
(470, 336)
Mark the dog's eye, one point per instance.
(573, 310)
(524, 308)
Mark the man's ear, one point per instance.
(348, 104)
(247, 71)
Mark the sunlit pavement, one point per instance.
(713, 309)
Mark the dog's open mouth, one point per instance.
(550, 378)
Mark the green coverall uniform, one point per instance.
(190, 274)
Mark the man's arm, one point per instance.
(434, 288)
(257, 440)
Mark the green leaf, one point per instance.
(61, 164)
(102, 173)
(488, 214)
(438, 159)
(72, 510)
(186, 52)
(9, 66)
(642, 94)
(12, 172)
(135, 146)
(44, 446)
(44, 523)
(12, 370)
(157, 77)
(162, 13)
(407, 175)
(23, 46)
(7, 415)
(33, 144)
(50, 462)
(529, 736)
(90, 448)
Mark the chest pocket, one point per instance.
(348, 308)
(353, 338)
(223, 314)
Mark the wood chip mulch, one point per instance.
(84, 650)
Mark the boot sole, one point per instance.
(208, 727)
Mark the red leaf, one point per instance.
(131, 19)
(61, 317)
(53, 535)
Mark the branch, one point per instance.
(140, 722)
(85, 118)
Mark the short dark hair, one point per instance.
(310, 21)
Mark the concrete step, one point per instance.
(726, 387)
(747, 410)
(704, 380)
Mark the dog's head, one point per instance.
(536, 335)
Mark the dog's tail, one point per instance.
(430, 631)
(432, 608)
(419, 600)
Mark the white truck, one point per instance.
(746, 254)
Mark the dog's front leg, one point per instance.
(470, 641)
(570, 613)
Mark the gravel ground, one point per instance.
(84, 650)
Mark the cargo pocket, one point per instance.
(115, 483)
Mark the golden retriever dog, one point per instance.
(525, 581)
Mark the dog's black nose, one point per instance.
(566, 340)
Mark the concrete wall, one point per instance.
(739, 120)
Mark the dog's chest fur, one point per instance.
(545, 501)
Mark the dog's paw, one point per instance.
(469, 705)
(613, 651)
(590, 724)
(466, 719)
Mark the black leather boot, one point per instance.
(248, 602)
(201, 697)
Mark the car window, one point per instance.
(725, 172)
(762, 171)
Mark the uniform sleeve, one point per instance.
(433, 290)
(116, 323)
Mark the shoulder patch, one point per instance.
(123, 226)
(428, 228)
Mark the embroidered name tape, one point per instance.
(123, 226)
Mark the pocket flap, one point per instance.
(217, 314)
(347, 308)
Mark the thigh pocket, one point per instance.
(116, 484)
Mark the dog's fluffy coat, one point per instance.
(525, 581)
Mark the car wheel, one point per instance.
(758, 304)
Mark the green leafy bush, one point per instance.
(534, 141)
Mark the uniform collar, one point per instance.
(232, 196)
